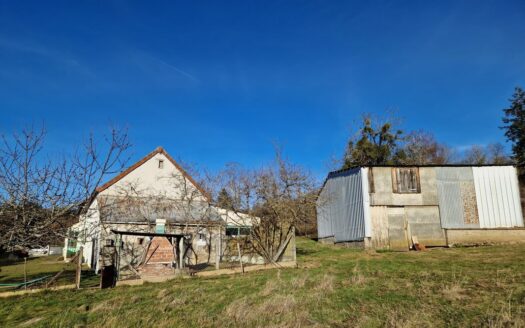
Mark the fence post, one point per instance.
(79, 268)
(240, 255)
(25, 272)
(218, 251)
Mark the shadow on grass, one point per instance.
(306, 251)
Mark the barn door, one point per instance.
(397, 229)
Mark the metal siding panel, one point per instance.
(366, 202)
(498, 197)
(342, 208)
(451, 205)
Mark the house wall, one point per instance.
(202, 251)
(87, 230)
(150, 180)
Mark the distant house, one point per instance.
(151, 219)
(387, 206)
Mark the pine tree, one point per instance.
(514, 121)
(224, 200)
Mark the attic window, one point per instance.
(161, 163)
(405, 180)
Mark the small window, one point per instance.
(232, 231)
(244, 231)
(140, 241)
(238, 231)
(405, 180)
(202, 236)
(161, 163)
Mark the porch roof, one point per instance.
(146, 233)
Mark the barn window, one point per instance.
(161, 163)
(405, 180)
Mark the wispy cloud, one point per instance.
(58, 57)
(176, 69)
(159, 67)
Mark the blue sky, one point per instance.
(218, 82)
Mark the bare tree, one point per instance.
(497, 154)
(40, 195)
(275, 199)
(491, 154)
(422, 148)
(476, 155)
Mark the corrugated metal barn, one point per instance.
(386, 206)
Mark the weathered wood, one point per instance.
(218, 251)
(182, 253)
(240, 256)
(79, 268)
(25, 272)
(55, 277)
(283, 246)
(149, 258)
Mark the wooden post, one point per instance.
(218, 251)
(240, 255)
(181, 254)
(79, 268)
(25, 272)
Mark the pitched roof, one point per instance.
(158, 150)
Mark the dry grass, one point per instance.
(454, 292)
(479, 287)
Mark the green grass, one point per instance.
(13, 271)
(336, 287)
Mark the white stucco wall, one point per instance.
(150, 180)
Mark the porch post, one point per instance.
(181, 252)
(218, 251)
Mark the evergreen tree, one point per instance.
(375, 144)
(514, 121)
(224, 200)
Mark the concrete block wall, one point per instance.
(384, 195)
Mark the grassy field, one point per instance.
(13, 272)
(336, 287)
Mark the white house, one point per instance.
(154, 197)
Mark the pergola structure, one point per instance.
(175, 239)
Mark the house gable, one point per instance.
(157, 174)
